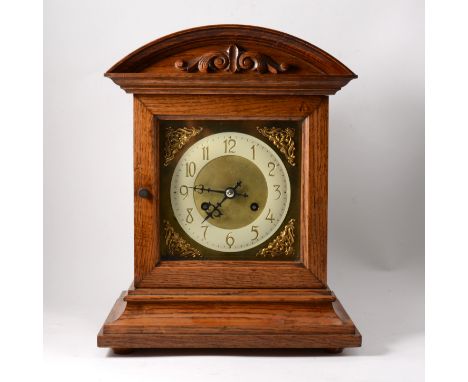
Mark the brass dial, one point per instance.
(230, 191)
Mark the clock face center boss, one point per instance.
(230, 192)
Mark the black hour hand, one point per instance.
(212, 210)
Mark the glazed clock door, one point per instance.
(229, 191)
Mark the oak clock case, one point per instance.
(230, 194)
(230, 189)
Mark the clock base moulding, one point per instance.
(229, 319)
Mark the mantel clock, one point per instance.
(230, 203)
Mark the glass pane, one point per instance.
(230, 190)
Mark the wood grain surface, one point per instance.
(146, 210)
(314, 219)
(229, 325)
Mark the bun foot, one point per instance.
(122, 351)
(333, 350)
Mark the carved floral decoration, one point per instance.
(232, 60)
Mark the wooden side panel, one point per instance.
(146, 211)
(314, 218)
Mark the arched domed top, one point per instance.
(230, 59)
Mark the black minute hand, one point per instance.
(201, 189)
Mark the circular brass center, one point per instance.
(221, 175)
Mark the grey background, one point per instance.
(376, 184)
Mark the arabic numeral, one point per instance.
(190, 169)
(269, 216)
(272, 167)
(255, 230)
(229, 145)
(277, 190)
(204, 232)
(183, 191)
(230, 240)
(206, 153)
(189, 218)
